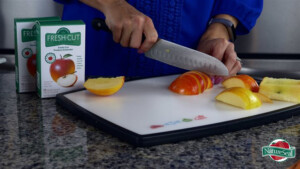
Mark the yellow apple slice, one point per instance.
(239, 97)
(281, 89)
(263, 98)
(104, 86)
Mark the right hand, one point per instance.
(128, 25)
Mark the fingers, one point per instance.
(116, 30)
(225, 52)
(126, 34)
(150, 34)
(130, 32)
(236, 68)
(218, 48)
(136, 36)
(230, 60)
(128, 26)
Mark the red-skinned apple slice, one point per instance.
(208, 79)
(205, 77)
(244, 81)
(201, 82)
(185, 85)
(199, 76)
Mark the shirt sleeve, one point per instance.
(246, 11)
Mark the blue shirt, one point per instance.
(179, 21)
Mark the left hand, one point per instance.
(223, 50)
(215, 42)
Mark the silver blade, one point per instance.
(186, 58)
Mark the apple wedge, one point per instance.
(104, 86)
(239, 97)
(244, 81)
(186, 84)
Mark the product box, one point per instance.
(25, 52)
(60, 57)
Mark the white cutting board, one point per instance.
(148, 107)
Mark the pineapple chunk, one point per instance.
(281, 89)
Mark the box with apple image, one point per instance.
(25, 52)
(60, 57)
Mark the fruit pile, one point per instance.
(244, 92)
(241, 90)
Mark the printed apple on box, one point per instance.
(25, 52)
(60, 57)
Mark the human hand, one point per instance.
(215, 43)
(128, 25)
(224, 51)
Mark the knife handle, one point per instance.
(99, 24)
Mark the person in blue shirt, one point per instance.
(181, 21)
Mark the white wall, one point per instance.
(10, 9)
(277, 30)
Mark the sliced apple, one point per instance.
(263, 98)
(186, 85)
(244, 81)
(239, 97)
(205, 77)
(67, 80)
(200, 81)
(104, 86)
(191, 83)
(208, 80)
(281, 89)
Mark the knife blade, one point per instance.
(177, 55)
(186, 58)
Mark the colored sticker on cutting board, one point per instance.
(199, 117)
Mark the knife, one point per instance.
(177, 55)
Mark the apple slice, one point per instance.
(205, 77)
(104, 86)
(263, 98)
(67, 81)
(244, 81)
(185, 84)
(239, 97)
(191, 83)
(208, 80)
(200, 81)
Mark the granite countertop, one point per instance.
(38, 133)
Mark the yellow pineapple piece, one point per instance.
(281, 89)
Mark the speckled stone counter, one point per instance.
(37, 133)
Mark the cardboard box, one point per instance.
(60, 57)
(25, 52)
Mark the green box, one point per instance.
(60, 57)
(25, 52)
